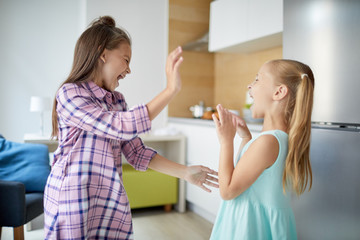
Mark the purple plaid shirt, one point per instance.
(84, 195)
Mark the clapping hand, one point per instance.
(229, 123)
(225, 125)
(241, 127)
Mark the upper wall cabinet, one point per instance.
(245, 25)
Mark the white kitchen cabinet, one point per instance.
(245, 25)
(202, 148)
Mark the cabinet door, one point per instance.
(265, 18)
(245, 25)
(228, 23)
(203, 148)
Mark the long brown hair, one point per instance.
(299, 79)
(102, 34)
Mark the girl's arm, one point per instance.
(243, 132)
(197, 175)
(260, 155)
(77, 108)
(173, 63)
(137, 154)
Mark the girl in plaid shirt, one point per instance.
(84, 196)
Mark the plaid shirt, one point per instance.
(84, 195)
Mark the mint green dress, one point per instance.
(263, 211)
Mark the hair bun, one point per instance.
(104, 20)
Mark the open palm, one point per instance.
(201, 176)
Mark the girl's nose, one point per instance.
(128, 70)
(250, 85)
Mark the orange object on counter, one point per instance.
(208, 115)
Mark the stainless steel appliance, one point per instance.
(326, 36)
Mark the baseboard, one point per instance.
(201, 212)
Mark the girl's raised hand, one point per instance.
(225, 125)
(173, 63)
(241, 127)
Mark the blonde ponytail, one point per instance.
(299, 78)
(298, 167)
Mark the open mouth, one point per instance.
(250, 95)
(121, 76)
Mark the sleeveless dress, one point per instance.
(263, 211)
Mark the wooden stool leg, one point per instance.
(167, 207)
(19, 233)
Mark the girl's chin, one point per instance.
(114, 87)
(255, 115)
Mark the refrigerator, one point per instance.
(326, 36)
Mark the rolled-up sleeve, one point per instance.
(79, 109)
(137, 154)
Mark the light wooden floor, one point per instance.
(152, 223)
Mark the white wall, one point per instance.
(147, 23)
(37, 42)
(36, 47)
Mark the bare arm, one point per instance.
(197, 175)
(173, 63)
(260, 155)
(243, 132)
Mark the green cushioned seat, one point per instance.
(149, 188)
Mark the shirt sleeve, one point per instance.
(78, 109)
(137, 154)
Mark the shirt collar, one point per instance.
(95, 89)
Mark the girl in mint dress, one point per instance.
(256, 190)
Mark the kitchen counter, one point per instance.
(209, 123)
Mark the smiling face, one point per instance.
(262, 90)
(114, 66)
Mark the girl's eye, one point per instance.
(126, 60)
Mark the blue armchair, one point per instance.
(24, 169)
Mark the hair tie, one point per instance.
(304, 75)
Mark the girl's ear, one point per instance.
(281, 92)
(103, 56)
